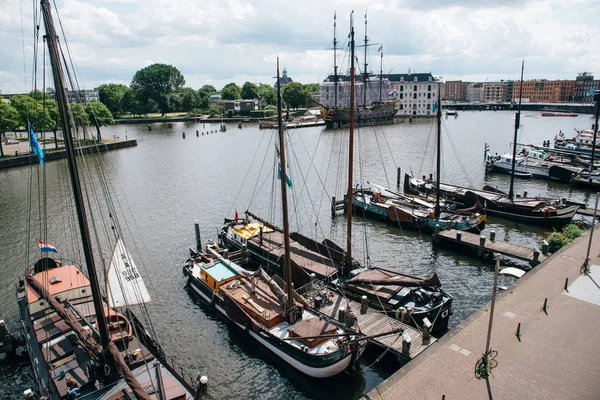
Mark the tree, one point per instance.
(79, 115)
(9, 120)
(128, 101)
(31, 110)
(111, 95)
(294, 94)
(156, 82)
(174, 101)
(190, 100)
(204, 93)
(99, 115)
(312, 87)
(267, 94)
(249, 91)
(231, 91)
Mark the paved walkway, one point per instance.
(557, 356)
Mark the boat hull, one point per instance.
(311, 365)
(363, 116)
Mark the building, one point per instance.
(83, 96)
(240, 107)
(416, 92)
(284, 79)
(545, 91)
(214, 100)
(496, 92)
(455, 91)
(475, 92)
(584, 84)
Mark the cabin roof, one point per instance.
(249, 230)
(219, 271)
(57, 280)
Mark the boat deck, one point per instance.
(374, 322)
(473, 241)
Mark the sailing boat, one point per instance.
(279, 320)
(382, 203)
(377, 112)
(533, 210)
(78, 343)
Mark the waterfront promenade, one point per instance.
(555, 357)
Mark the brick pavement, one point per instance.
(556, 358)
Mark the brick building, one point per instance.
(455, 91)
(544, 91)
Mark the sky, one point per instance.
(216, 42)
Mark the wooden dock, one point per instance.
(373, 322)
(485, 245)
(587, 212)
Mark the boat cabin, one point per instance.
(215, 274)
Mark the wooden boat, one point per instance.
(311, 343)
(79, 345)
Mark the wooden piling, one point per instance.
(398, 177)
(198, 239)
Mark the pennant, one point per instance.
(46, 247)
(287, 178)
(380, 48)
(392, 92)
(35, 146)
(334, 14)
(486, 149)
(236, 217)
(434, 107)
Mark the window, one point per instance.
(401, 95)
(428, 95)
(415, 96)
(429, 88)
(402, 88)
(415, 88)
(401, 79)
(416, 79)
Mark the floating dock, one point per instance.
(485, 245)
(406, 345)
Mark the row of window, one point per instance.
(415, 95)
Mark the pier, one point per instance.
(405, 346)
(485, 246)
(545, 333)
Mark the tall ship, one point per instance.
(370, 106)
(82, 342)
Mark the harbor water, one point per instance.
(167, 182)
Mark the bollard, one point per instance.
(363, 305)
(342, 315)
(481, 246)
(406, 343)
(524, 193)
(226, 254)
(183, 134)
(492, 236)
(197, 133)
(544, 247)
(198, 238)
(458, 235)
(203, 384)
(398, 178)
(567, 284)
(426, 330)
(536, 256)
(519, 331)
(312, 276)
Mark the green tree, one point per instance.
(249, 91)
(111, 95)
(31, 110)
(312, 87)
(80, 116)
(99, 114)
(231, 91)
(294, 94)
(190, 100)
(267, 94)
(174, 101)
(9, 120)
(156, 82)
(128, 102)
(204, 93)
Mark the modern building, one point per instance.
(475, 92)
(240, 107)
(83, 96)
(585, 84)
(455, 91)
(545, 91)
(496, 92)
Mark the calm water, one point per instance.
(166, 182)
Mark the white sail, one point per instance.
(125, 284)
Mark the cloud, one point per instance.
(220, 41)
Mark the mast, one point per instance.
(335, 73)
(381, 73)
(365, 73)
(439, 151)
(287, 268)
(511, 194)
(350, 149)
(596, 112)
(61, 97)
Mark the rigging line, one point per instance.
(387, 179)
(454, 148)
(256, 187)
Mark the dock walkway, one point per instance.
(487, 246)
(554, 357)
(373, 322)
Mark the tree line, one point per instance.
(161, 88)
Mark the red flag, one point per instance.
(334, 13)
(236, 217)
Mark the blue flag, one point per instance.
(35, 146)
(287, 178)
(590, 92)
(434, 106)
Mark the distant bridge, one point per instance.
(579, 108)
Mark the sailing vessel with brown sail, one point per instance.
(83, 343)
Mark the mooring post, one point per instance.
(202, 386)
(398, 178)
(481, 246)
(333, 206)
(183, 134)
(492, 236)
(436, 233)
(345, 203)
(363, 305)
(198, 239)
(197, 133)
(406, 340)
(342, 315)
(458, 236)
(536, 257)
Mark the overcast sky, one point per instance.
(220, 41)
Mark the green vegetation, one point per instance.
(556, 240)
